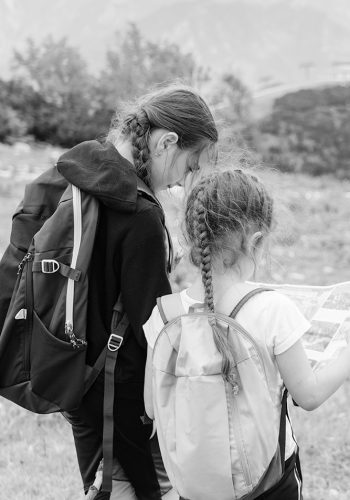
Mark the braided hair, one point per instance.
(137, 127)
(203, 247)
(224, 207)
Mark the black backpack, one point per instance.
(43, 304)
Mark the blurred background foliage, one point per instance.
(308, 131)
(53, 97)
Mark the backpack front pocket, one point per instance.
(57, 368)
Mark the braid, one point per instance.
(137, 126)
(203, 247)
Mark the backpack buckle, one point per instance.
(49, 266)
(114, 342)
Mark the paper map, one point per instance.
(328, 310)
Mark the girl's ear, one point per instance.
(255, 240)
(166, 140)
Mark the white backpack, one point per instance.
(215, 444)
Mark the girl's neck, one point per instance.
(222, 283)
(124, 148)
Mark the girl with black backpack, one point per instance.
(161, 139)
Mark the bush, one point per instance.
(308, 131)
(12, 126)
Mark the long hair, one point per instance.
(223, 210)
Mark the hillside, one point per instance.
(259, 40)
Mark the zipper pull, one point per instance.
(235, 389)
(76, 343)
(23, 262)
(232, 380)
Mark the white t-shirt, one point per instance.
(273, 320)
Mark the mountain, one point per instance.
(262, 41)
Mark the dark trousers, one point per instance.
(131, 442)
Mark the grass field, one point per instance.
(310, 245)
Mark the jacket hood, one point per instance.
(101, 171)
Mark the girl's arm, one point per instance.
(309, 388)
(147, 393)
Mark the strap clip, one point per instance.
(114, 342)
(49, 266)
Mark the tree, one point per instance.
(308, 131)
(136, 65)
(13, 97)
(61, 104)
(59, 101)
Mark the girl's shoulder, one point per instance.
(273, 298)
(275, 318)
(250, 296)
(271, 303)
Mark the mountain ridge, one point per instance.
(270, 41)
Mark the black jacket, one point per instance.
(129, 255)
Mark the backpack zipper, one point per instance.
(23, 262)
(77, 235)
(28, 307)
(247, 335)
(230, 396)
(234, 428)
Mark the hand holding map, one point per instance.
(328, 310)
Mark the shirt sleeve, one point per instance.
(286, 324)
(153, 327)
(143, 268)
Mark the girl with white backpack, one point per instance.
(222, 355)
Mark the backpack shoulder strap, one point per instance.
(170, 307)
(284, 407)
(245, 299)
